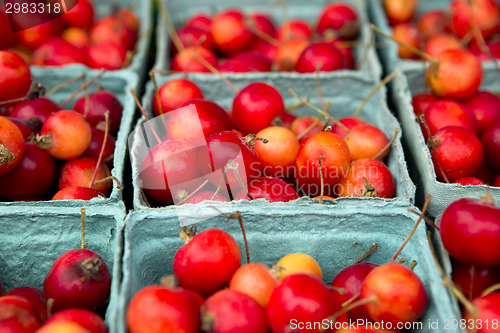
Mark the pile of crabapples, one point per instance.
(75, 37)
(234, 41)
(458, 26)
(75, 294)
(289, 297)
(208, 154)
(45, 148)
(470, 232)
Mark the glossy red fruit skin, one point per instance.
(230, 32)
(79, 173)
(200, 20)
(440, 43)
(207, 262)
(473, 280)
(458, 151)
(361, 171)
(11, 145)
(469, 181)
(323, 55)
(17, 315)
(349, 123)
(254, 61)
(270, 188)
(66, 127)
(470, 231)
(485, 12)
(300, 298)
(7, 37)
(184, 61)
(263, 23)
(86, 319)
(294, 29)
(95, 146)
(106, 55)
(486, 108)
(34, 297)
(81, 15)
(487, 311)
(175, 93)
(78, 193)
(205, 195)
(335, 163)
(431, 23)
(32, 178)
(40, 107)
(401, 294)
(450, 113)
(350, 279)
(231, 311)
(490, 140)
(156, 309)
(100, 102)
(169, 164)
(255, 107)
(422, 101)
(57, 52)
(15, 80)
(190, 37)
(34, 37)
(341, 18)
(221, 149)
(457, 75)
(208, 116)
(75, 276)
(111, 29)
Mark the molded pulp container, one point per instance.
(181, 10)
(389, 50)
(335, 235)
(345, 91)
(34, 237)
(411, 81)
(119, 84)
(144, 11)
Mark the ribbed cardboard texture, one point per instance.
(119, 84)
(388, 50)
(181, 10)
(137, 68)
(345, 91)
(411, 81)
(336, 239)
(34, 237)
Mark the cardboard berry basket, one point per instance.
(181, 10)
(34, 237)
(388, 50)
(345, 91)
(335, 235)
(144, 11)
(412, 81)
(117, 83)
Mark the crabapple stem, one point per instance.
(424, 209)
(192, 193)
(36, 90)
(350, 300)
(158, 100)
(82, 212)
(220, 183)
(234, 166)
(307, 130)
(265, 37)
(386, 80)
(426, 219)
(170, 27)
(433, 146)
(447, 283)
(145, 198)
(251, 138)
(33, 123)
(216, 72)
(491, 289)
(101, 153)
(479, 36)
(321, 179)
(83, 87)
(418, 52)
(328, 117)
(118, 184)
(5, 155)
(195, 49)
(145, 115)
(388, 145)
(353, 305)
(168, 281)
(413, 264)
(64, 84)
(297, 105)
(370, 251)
